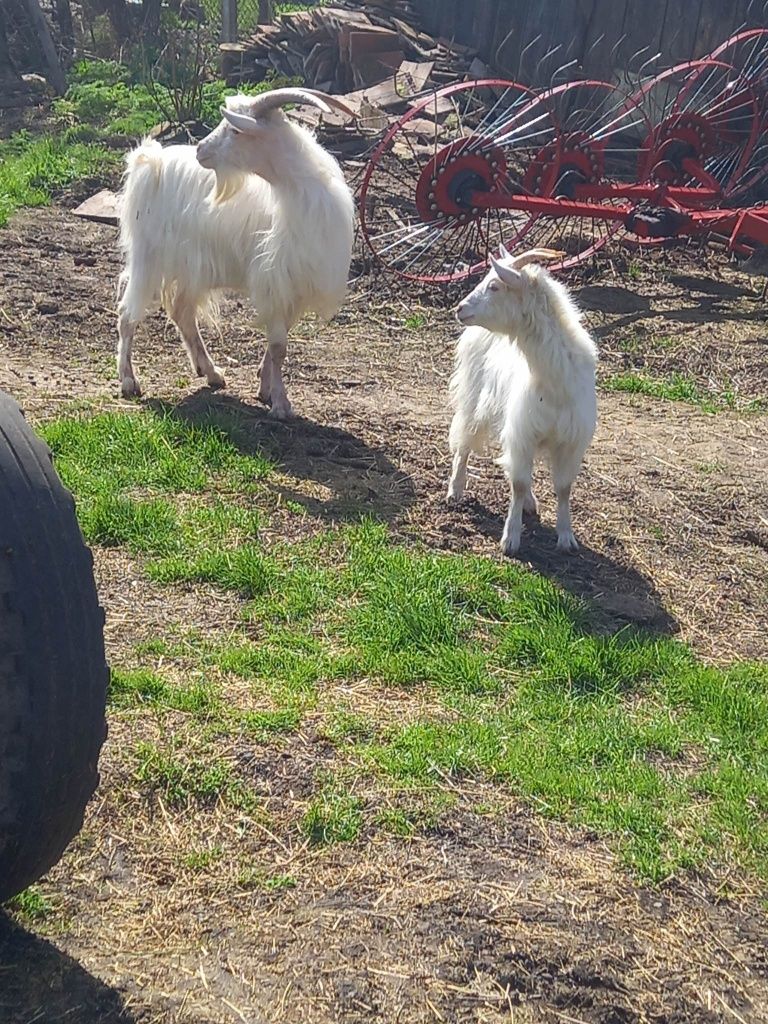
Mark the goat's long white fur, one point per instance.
(269, 216)
(524, 380)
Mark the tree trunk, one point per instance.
(66, 31)
(151, 20)
(55, 75)
(266, 12)
(117, 13)
(7, 70)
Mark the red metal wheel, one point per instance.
(601, 132)
(705, 126)
(747, 53)
(414, 209)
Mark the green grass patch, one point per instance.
(31, 905)
(143, 688)
(33, 170)
(200, 860)
(104, 104)
(678, 387)
(184, 780)
(257, 878)
(628, 734)
(134, 475)
(334, 816)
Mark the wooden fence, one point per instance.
(515, 36)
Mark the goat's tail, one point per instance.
(143, 172)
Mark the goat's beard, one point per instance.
(228, 184)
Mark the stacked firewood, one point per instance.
(344, 46)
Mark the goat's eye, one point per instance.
(493, 287)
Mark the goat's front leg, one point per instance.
(565, 468)
(519, 469)
(185, 318)
(277, 342)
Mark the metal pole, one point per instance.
(229, 21)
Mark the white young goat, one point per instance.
(524, 378)
(258, 207)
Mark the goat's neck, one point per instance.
(552, 360)
(300, 201)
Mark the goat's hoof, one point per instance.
(216, 379)
(281, 411)
(567, 542)
(510, 546)
(454, 496)
(129, 388)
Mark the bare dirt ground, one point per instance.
(482, 918)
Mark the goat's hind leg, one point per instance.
(185, 318)
(277, 341)
(458, 482)
(265, 378)
(530, 504)
(565, 468)
(131, 310)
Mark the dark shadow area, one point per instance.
(620, 593)
(361, 479)
(709, 310)
(709, 286)
(611, 299)
(40, 983)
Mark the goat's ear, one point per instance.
(508, 276)
(243, 123)
(503, 251)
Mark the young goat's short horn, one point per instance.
(535, 255)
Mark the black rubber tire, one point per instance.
(53, 673)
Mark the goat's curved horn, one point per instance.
(534, 255)
(279, 97)
(334, 101)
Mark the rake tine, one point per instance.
(524, 54)
(636, 57)
(562, 68)
(548, 54)
(500, 47)
(594, 46)
(647, 64)
(613, 57)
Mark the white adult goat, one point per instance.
(258, 207)
(524, 377)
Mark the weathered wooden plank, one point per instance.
(103, 207)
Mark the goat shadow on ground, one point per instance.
(620, 594)
(354, 478)
(40, 983)
(610, 299)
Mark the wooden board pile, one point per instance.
(343, 47)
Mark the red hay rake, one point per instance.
(484, 163)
